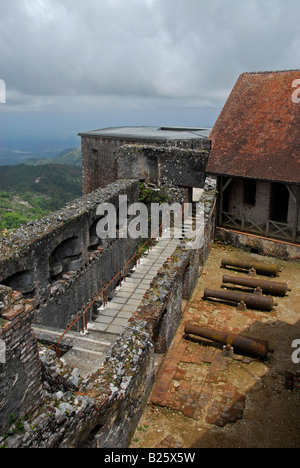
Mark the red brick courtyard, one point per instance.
(204, 398)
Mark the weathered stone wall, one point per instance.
(260, 245)
(209, 200)
(20, 367)
(100, 162)
(167, 167)
(261, 209)
(104, 410)
(60, 261)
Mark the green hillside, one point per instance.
(70, 157)
(30, 192)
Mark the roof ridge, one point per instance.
(270, 71)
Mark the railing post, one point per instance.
(268, 228)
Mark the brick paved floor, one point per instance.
(198, 387)
(198, 392)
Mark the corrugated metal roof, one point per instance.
(257, 134)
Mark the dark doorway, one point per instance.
(279, 203)
(250, 192)
(226, 196)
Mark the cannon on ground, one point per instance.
(244, 344)
(269, 287)
(268, 269)
(252, 301)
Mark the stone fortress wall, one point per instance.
(51, 269)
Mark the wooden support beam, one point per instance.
(222, 188)
(296, 214)
(227, 184)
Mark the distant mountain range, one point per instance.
(20, 149)
(29, 192)
(69, 157)
(52, 180)
(37, 176)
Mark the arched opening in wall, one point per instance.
(66, 257)
(21, 281)
(94, 154)
(94, 241)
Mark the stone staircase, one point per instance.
(88, 351)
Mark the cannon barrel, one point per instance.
(268, 269)
(245, 344)
(253, 301)
(270, 287)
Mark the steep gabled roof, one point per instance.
(257, 134)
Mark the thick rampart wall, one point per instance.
(171, 167)
(20, 366)
(60, 263)
(49, 271)
(105, 410)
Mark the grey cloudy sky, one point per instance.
(73, 65)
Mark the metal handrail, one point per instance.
(83, 318)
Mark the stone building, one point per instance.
(99, 161)
(256, 156)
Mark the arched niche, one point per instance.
(65, 257)
(21, 281)
(94, 240)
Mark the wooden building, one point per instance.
(256, 156)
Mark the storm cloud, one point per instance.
(122, 56)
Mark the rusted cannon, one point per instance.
(269, 287)
(244, 344)
(253, 301)
(268, 269)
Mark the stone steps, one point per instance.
(87, 352)
(115, 315)
(91, 341)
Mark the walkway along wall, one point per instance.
(60, 263)
(103, 410)
(49, 271)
